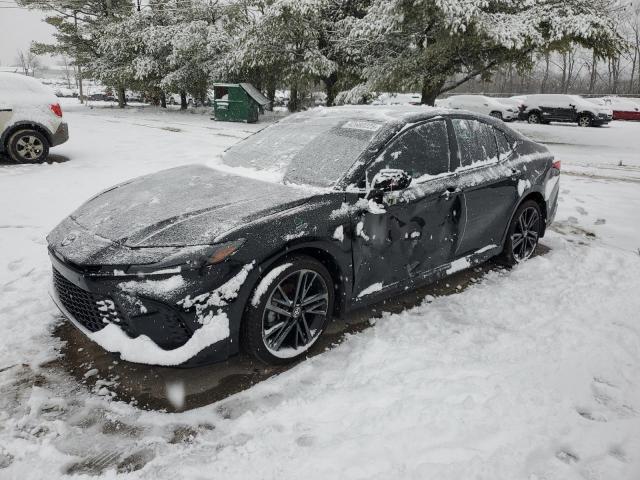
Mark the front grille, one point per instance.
(92, 311)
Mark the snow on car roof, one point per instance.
(18, 88)
(378, 113)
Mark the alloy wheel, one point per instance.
(534, 118)
(29, 147)
(525, 235)
(584, 121)
(295, 313)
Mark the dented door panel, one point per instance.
(418, 231)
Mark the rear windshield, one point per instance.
(316, 151)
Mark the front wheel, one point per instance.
(533, 117)
(288, 310)
(497, 115)
(584, 120)
(523, 234)
(28, 146)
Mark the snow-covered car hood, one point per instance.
(183, 206)
(593, 107)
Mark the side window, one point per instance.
(422, 150)
(504, 144)
(476, 142)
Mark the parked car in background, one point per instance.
(101, 97)
(387, 98)
(516, 102)
(481, 104)
(30, 119)
(623, 108)
(368, 202)
(547, 108)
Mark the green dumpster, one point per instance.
(237, 102)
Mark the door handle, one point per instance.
(450, 191)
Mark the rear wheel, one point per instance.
(533, 117)
(523, 234)
(28, 146)
(584, 120)
(288, 311)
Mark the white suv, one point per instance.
(546, 108)
(482, 104)
(30, 119)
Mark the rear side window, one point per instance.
(476, 142)
(420, 151)
(504, 144)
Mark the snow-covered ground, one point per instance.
(532, 373)
(610, 150)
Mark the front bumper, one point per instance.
(91, 302)
(602, 119)
(61, 135)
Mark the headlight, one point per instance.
(186, 258)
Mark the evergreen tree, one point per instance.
(437, 45)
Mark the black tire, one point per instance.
(585, 120)
(278, 339)
(28, 146)
(497, 115)
(515, 250)
(534, 117)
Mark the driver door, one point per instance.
(408, 233)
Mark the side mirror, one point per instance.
(388, 180)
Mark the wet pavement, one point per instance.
(175, 389)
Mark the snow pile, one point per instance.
(143, 350)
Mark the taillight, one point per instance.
(556, 165)
(56, 109)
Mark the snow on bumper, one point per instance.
(144, 350)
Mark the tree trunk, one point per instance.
(633, 71)
(80, 90)
(122, 100)
(163, 100)
(430, 91)
(545, 78)
(293, 99)
(183, 100)
(330, 84)
(594, 73)
(271, 93)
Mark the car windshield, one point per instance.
(314, 151)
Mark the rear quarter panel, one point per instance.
(533, 162)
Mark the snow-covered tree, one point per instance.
(437, 45)
(78, 25)
(297, 44)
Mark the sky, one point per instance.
(18, 27)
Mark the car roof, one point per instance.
(374, 113)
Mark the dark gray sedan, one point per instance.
(322, 212)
